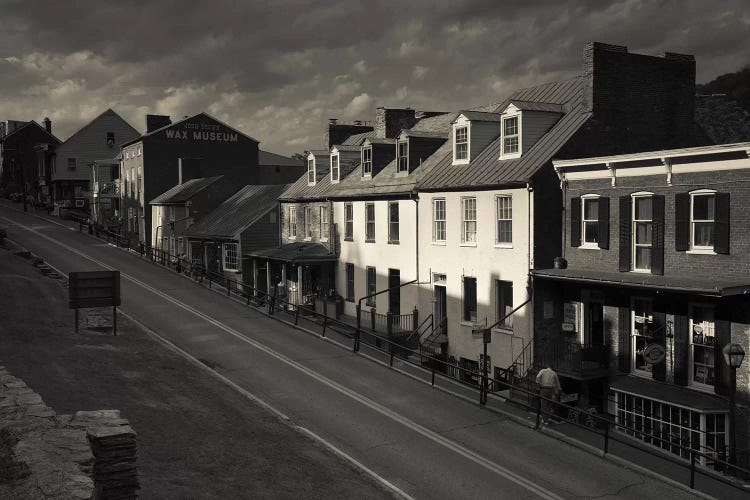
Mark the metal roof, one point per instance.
(237, 213)
(548, 107)
(358, 139)
(265, 158)
(481, 116)
(300, 190)
(183, 192)
(297, 252)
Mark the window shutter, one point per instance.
(681, 221)
(657, 248)
(625, 229)
(721, 224)
(722, 336)
(681, 346)
(659, 371)
(604, 223)
(624, 351)
(575, 222)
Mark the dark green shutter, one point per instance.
(721, 224)
(657, 247)
(681, 346)
(625, 230)
(604, 223)
(722, 337)
(575, 222)
(681, 221)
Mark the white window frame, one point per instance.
(292, 223)
(436, 222)
(325, 223)
(308, 223)
(500, 306)
(229, 258)
(402, 161)
(335, 169)
(634, 234)
(367, 161)
(466, 138)
(584, 220)
(465, 221)
(369, 238)
(349, 221)
(691, 351)
(311, 172)
(391, 222)
(708, 249)
(647, 320)
(507, 217)
(505, 153)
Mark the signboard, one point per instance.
(568, 327)
(202, 132)
(654, 354)
(487, 336)
(570, 314)
(93, 289)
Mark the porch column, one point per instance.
(269, 290)
(255, 276)
(299, 284)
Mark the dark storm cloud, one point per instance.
(278, 69)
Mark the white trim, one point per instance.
(398, 163)
(597, 172)
(693, 248)
(224, 266)
(519, 135)
(362, 159)
(586, 244)
(335, 180)
(311, 158)
(464, 124)
(498, 243)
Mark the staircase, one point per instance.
(522, 375)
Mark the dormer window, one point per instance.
(511, 142)
(367, 161)
(461, 143)
(311, 171)
(335, 173)
(403, 156)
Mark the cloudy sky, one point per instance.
(278, 69)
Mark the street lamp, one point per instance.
(733, 356)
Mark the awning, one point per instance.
(296, 253)
(669, 393)
(710, 286)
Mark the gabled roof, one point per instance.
(238, 213)
(424, 134)
(480, 116)
(265, 159)
(31, 123)
(548, 107)
(90, 123)
(156, 131)
(357, 139)
(300, 190)
(297, 253)
(379, 140)
(183, 192)
(487, 171)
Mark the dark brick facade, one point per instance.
(316, 237)
(389, 122)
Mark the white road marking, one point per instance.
(433, 436)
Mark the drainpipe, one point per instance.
(415, 198)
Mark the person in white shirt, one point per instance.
(549, 388)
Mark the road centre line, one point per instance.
(406, 422)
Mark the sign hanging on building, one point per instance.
(570, 316)
(654, 354)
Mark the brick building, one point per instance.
(656, 284)
(27, 158)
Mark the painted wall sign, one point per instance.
(570, 315)
(654, 354)
(202, 132)
(568, 327)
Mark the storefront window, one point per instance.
(702, 345)
(642, 322)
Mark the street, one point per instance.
(416, 441)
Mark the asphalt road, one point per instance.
(426, 443)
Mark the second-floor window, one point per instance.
(311, 171)
(438, 220)
(292, 222)
(71, 164)
(643, 232)
(403, 156)
(366, 161)
(308, 222)
(590, 221)
(348, 221)
(369, 222)
(504, 220)
(393, 217)
(324, 223)
(334, 168)
(702, 218)
(510, 135)
(461, 147)
(469, 213)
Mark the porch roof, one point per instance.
(714, 286)
(296, 253)
(669, 393)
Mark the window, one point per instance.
(311, 171)
(180, 246)
(367, 161)
(308, 222)
(292, 222)
(504, 303)
(702, 215)
(334, 168)
(470, 299)
(403, 156)
(510, 135)
(139, 151)
(71, 164)
(643, 229)
(324, 223)
(469, 212)
(590, 220)
(171, 214)
(702, 338)
(348, 221)
(110, 139)
(438, 219)
(504, 220)
(642, 326)
(230, 257)
(350, 282)
(369, 222)
(393, 222)
(461, 146)
(371, 286)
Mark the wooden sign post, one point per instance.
(94, 289)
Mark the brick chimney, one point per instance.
(339, 132)
(390, 121)
(47, 124)
(648, 100)
(154, 122)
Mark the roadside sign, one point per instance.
(94, 289)
(487, 336)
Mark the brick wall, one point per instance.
(390, 121)
(315, 207)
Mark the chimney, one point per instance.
(47, 125)
(339, 132)
(188, 168)
(390, 121)
(154, 122)
(646, 101)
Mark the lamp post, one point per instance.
(733, 355)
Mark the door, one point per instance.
(394, 291)
(441, 308)
(595, 324)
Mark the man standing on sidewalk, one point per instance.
(549, 388)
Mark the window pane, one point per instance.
(511, 126)
(643, 233)
(461, 151)
(504, 231)
(591, 231)
(591, 209)
(642, 258)
(643, 208)
(703, 234)
(703, 207)
(511, 145)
